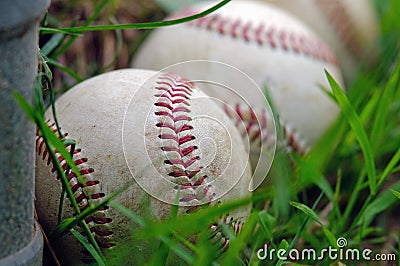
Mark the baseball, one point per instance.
(156, 129)
(350, 28)
(275, 49)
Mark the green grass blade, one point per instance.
(231, 257)
(323, 151)
(383, 202)
(207, 249)
(25, 106)
(67, 70)
(310, 213)
(396, 193)
(134, 217)
(58, 145)
(301, 228)
(87, 22)
(281, 173)
(52, 44)
(46, 131)
(266, 221)
(142, 26)
(358, 129)
(189, 223)
(307, 210)
(383, 108)
(178, 250)
(38, 97)
(44, 69)
(309, 173)
(52, 142)
(366, 113)
(68, 224)
(96, 255)
(371, 208)
(92, 208)
(167, 242)
(390, 168)
(284, 245)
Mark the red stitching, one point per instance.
(210, 23)
(260, 34)
(78, 188)
(245, 32)
(235, 225)
(185, 164)
(234, 27)
(270, 37)
(174, 108)
(283, 40)
(247, 116)
(255, 129)
(221, 26)
(295, 43)
(177, 130)
(172, 95)
(341, 21)
(174, 137)
(293, 140)
(174, 118)
(173, 101)
(177, 84)
(181, 152)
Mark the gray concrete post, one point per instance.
(21, 241)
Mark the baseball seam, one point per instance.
(340, 20)
(293, 140)
(173, 109)
(255, 128)
(218, 236)
(262, 35)
(246, 115)
(98, 221)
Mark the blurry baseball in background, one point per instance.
(284, 57)
(351, 28)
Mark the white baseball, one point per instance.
(154, 128)
(275, 49)
(350, 28)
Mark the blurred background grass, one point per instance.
(96, 52)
